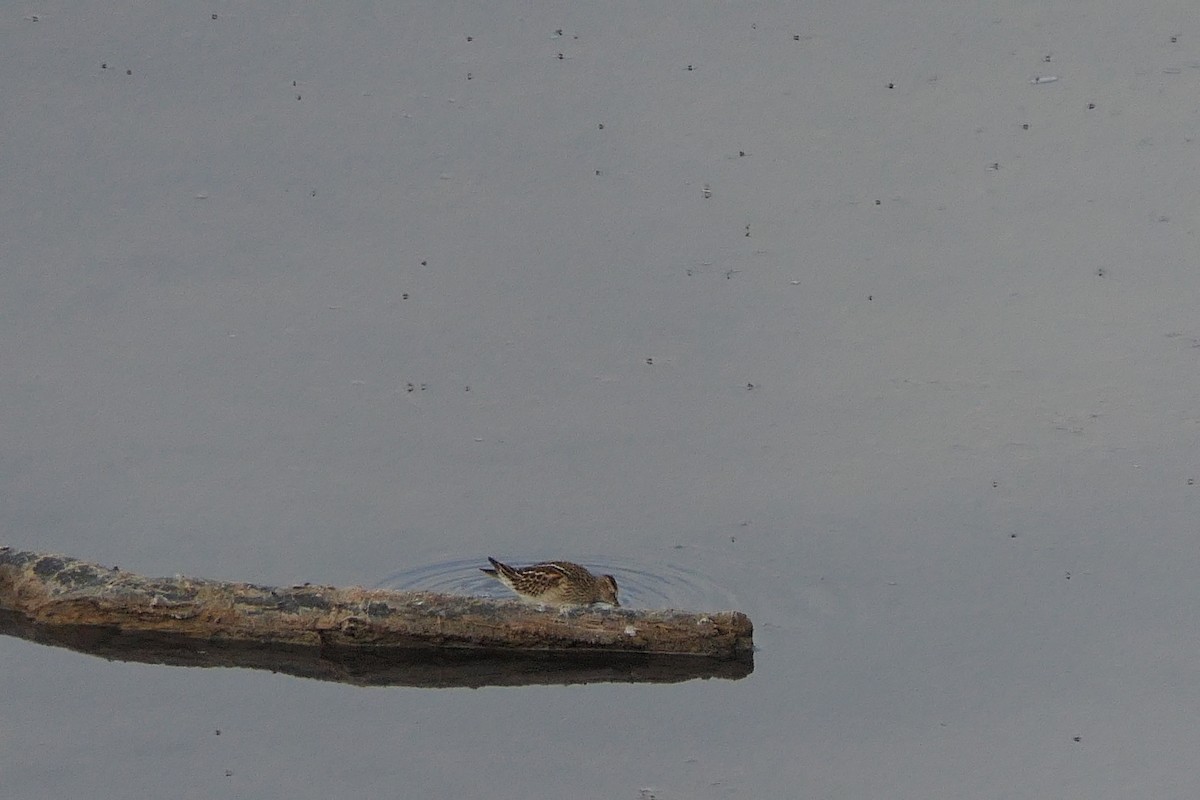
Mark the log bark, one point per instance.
(357, 635)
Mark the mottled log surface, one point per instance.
(368, 636)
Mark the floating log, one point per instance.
(356, 635)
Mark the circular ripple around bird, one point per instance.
(641, 585)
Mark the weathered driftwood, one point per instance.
(356, 635)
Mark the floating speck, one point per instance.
(1037, 80)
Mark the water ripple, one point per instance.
(642, 585)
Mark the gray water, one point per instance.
(826, 313)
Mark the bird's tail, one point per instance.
(498, 568)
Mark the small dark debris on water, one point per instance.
(1091, 106)
(1077, 738)
(1100, 272)
(214, 16)
(891, 86)
(128, 72)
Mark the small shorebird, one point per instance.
(558, 583)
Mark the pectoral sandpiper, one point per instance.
(559, 583)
